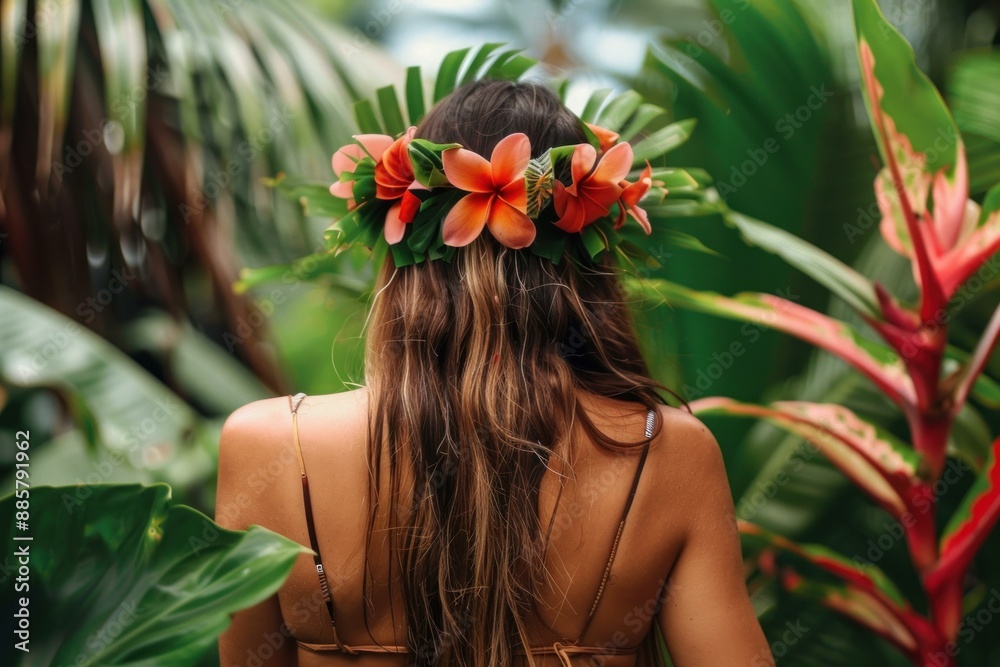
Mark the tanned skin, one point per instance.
(679, 563)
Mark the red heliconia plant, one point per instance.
(927, 216)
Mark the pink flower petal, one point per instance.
(466, 219)
(949, 205)
(640, 215)
(394, 227)
(346, 159)
(375, 144)
(342, 189)
(467, 170)
(510, 158)
(510, 226)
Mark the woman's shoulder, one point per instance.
(262, 425)
(686, 457)
(684, 430)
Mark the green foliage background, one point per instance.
(117, 307)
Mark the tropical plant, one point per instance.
(156, 583)
(133, 137)
(131, 153)
(923, 194)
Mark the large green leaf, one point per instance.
(904, 93)
(974, 93)
(743, 69)
(119, 578)
(919, 144)
(148, 427)
(833, 274)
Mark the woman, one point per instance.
(530, 487)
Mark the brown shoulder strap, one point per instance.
(650, 421)
(293, 403)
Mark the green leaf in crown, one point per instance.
(426, 159)
(538, 183)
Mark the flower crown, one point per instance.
(419, 200)
(444, 194)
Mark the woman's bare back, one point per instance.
(678, 549)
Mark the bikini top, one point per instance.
(562, 649)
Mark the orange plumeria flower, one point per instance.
(595, 187)
(394, 180)
(394, 177)
(606, 137)
(632, 194)
(498, 198)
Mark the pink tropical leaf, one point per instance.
(925, 163)
(962, 537)
(977, 239)
(873, 459)
(970, 372)
(881, 365)
(867, 596)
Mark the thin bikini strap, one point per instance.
(294, 402)
(650, 421)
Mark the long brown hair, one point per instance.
(472, 368)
